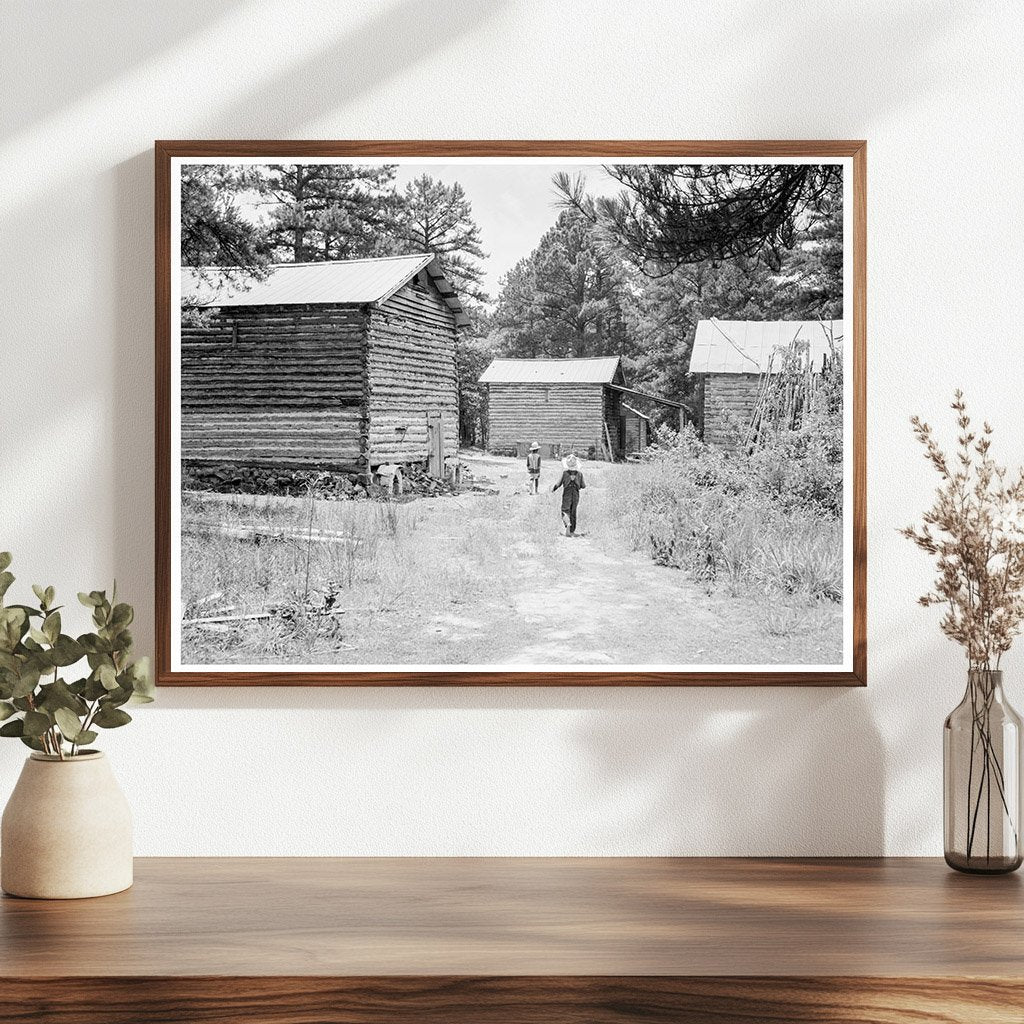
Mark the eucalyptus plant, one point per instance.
(37, 704)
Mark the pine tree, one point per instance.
(215, 231)
(330, 211)
(438, 218)
(565, 299)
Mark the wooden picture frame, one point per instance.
(853, 153)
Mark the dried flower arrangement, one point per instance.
(975, 530)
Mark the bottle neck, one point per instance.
(985, 683)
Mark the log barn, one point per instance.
(563, 404)
(337, 365)
(729, 358)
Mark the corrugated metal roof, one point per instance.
(635, 412)
(746, 346)
(353, 282)
(551, 371)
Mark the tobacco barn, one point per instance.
(731, 358)
(563, 404)
(337, 365)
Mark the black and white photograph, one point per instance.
(492, 414)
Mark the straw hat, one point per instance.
(534, 447)
(572, 462)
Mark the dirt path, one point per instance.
(590, 600)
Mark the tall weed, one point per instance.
(768, 521)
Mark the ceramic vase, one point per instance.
(66, 831)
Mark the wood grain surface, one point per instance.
(283, 150)
(505, 940)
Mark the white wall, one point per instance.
(937, 90)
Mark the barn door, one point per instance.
(435, 444)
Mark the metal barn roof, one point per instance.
(551, 371)
(745, 346)
(338, 282)
(635, 412)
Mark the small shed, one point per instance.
(342, 365)
(730, 357)
(562, 403)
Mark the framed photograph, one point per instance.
(510, 413)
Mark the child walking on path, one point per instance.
(533, 468)
(571, 483)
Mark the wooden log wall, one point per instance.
(634, 433)
(411, 371)
(729, 400)
(275, 385)
(613, 421)
(564, 414)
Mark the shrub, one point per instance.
(767, 521)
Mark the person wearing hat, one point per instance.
(533, 468)
(571, 483)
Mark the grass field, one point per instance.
(473, 579)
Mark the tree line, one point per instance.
(627, 275)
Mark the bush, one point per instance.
(768, 521)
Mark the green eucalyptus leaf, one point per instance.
(142, 682)
(94, 689)
(5, 559)
(40, 593)
(27, 681)
(66, 651)
(51, 626)
(16, 727)
(6, 710)
(13, 625)
(69, 724)
(22, 703)
(36, 723)
(86, 736)
(94, 644)
(29, 611)
(89, 600)
(122, 616)
(59, 695)
(50, 596)
(115, 698)
(9, 663)
(124, 641)
(111, 718)
(6, 579)
(31, 741)
(107, 676)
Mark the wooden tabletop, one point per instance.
(509, 917)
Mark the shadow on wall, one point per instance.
(691, 771)
(101, 41)
(747, 771)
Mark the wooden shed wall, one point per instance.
(729, 400)
(274, 385)
(411, 371)
(565, 414)
(613, 420)
(634, 433)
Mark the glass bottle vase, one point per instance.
(981, 771)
